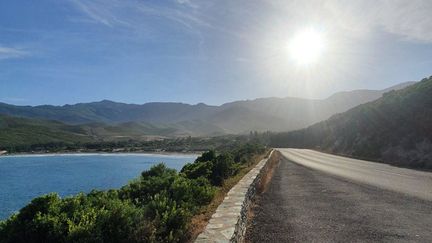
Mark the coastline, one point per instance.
(95, 153)
(130, 166)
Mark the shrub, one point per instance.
(222, 169)
(168, 217)
(207, 156)
(198, 169)
(96, 217)
(159, 178)
(190, 193)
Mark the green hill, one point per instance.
(24, 134)
(396, 129)
(21, 132)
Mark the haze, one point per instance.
(58, 52)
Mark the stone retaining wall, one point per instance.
(228, 223)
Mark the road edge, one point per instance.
(228, 223)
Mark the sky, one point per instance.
(136, 51)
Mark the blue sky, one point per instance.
(136, 51)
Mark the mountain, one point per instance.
(178, 119)
(396, 129)
(296, 113)
(109, 112)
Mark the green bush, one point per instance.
(217, 168)
(169, 218)
(96, 217)
(223, 167)
(198, 169)
(151, 182)
(207, 156)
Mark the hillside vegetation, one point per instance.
(395, 129)
(16, 131)
(25, 135)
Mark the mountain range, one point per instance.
(108, 118)
(396, 128)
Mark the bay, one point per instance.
(27, 176)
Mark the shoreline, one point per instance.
(94, 153)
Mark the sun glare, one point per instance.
(307, 46)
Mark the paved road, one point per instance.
(316, 197)
(411, 182)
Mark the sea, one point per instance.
(24, 177)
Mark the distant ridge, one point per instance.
(179, 119)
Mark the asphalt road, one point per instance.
(316, 197)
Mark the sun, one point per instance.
(307, 46)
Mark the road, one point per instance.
(317, 197)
